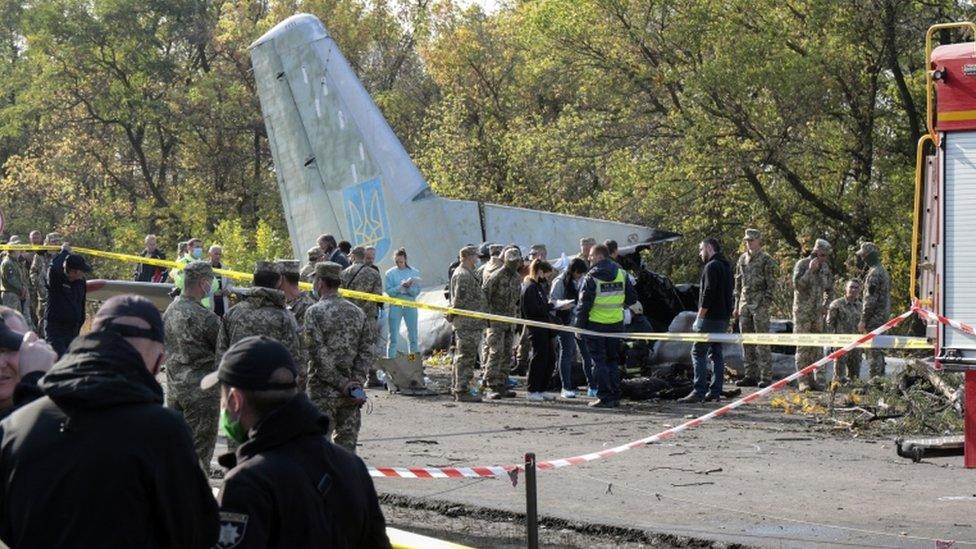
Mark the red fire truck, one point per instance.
(944, 245)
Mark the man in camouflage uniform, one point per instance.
(38, 276)
(191, 341)
(812, 289)
(494, 262)
(314, 256)
(261, 312)
(13, 280)
(844, 317)
(360, 277)
(877, 302)
(466, 293)
(297, 301)
(35, 239)
(341, 348)
(502, 289)
(755, 284)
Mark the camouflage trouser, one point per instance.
(31, 307)
(344, 420)
(806, 356)
(12, 300)
(201, 410)
(466, 347)
(849, 366)
(500, 338)
(524, 349)
(41, 313)
(757, 357)
(876, 357)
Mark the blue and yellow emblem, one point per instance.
(365, 212)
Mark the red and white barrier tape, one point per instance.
(512, 470)
(930, 315)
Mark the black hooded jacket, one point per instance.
(291, 487)
(98, 461)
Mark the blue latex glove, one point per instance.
(697, 325)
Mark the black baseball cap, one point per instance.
(130, 306)
(75, 261)
(250, 363)
(10, 339)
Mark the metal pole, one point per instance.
(969, 446)
(531, 503)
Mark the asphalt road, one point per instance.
(755, 477)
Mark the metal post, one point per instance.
(969, 458)
(531, 503)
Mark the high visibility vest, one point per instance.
(608, 305)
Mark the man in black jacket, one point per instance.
(714, 311)
(288, 485)
(65, 298)
(98, 461)
(151, 273)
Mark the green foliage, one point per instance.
(119, 118)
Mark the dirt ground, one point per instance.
(757, 478)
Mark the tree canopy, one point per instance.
(798, 117)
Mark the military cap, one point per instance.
(868, 248)
(484, 249)
(286, 266)
(752, 234)
(14, 240)
(822, 246)
(512, 254)
(495, 249)
(588, 241)
(328, 269)
(467, 251)
(314, 252)
(198, 270)
(265, 266)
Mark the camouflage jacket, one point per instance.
(877, 295)
(466, 293)
(812, 291)
(502, 290)
(360, 278)
(191, 342)
(261, 312)
(300, 306)
(12, 277)
(337, 335)
(755, 281)
(38, 272)
(484, 271)
(843, 316)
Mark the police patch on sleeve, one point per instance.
(232, 527)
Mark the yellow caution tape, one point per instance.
(791, 340)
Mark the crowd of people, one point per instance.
(593, 291)
(292, 366)
(87, 437)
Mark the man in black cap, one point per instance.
(66, 298)
(98, 461)
(288, 486)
